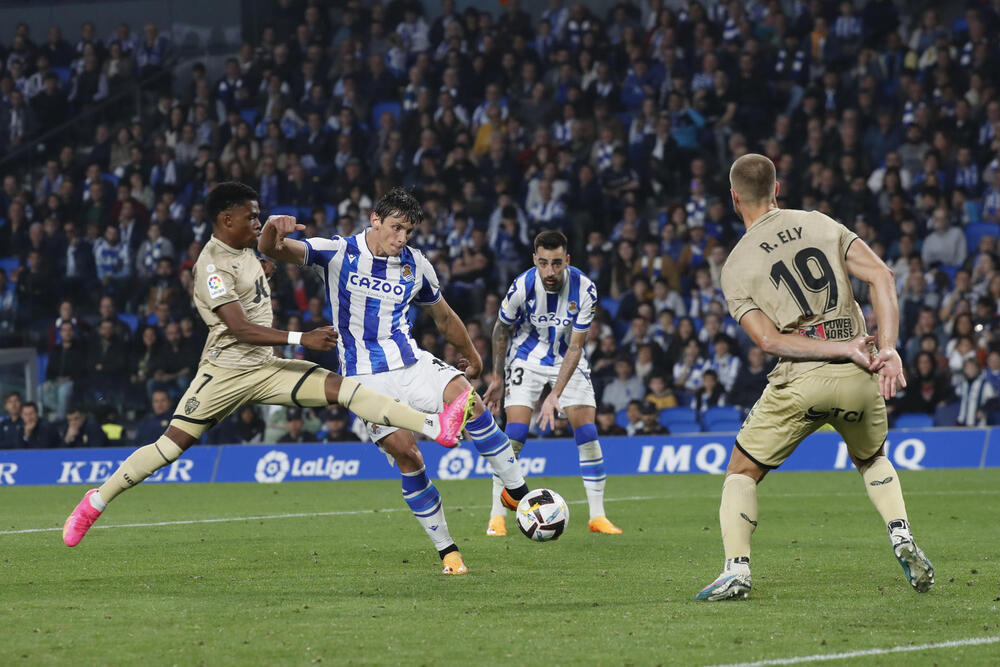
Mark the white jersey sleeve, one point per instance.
(319, 250)
(512, 303)
(587, 308)
(428, 286)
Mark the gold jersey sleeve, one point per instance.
(791, 265)
(223, 275)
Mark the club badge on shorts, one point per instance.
(191, 405)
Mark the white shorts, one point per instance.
(525, 383)
(420, 385)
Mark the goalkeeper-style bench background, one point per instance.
(909, 449)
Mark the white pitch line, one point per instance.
(822, 657)
(23, 531)
(263, 517)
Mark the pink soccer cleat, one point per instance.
(454, 416)
(79, 522)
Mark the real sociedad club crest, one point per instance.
(407, 273)
(572, 308)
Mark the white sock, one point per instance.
(594, 478)
(432, 427)
(97, 502)
(497, 509)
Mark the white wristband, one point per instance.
(294, 337)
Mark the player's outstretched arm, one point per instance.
(569, 363)
(864, 264)
(245, 331)
(802, 348)
(273, 241)
(494, 392)
(451, 327)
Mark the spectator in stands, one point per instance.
(751, 380)
(8, 309)
(946, 244)
(722, 360)
(688, 370)
(660, 394)
(649, 421)
(927, 388)
(173, 366)
(107, 363)
(710, 394)
(36, 433)
(295, 428)
(80, 430)
(335, 428)
(625, 387)
(11, 426)
(67, 366)
(605, 421)
(154, 424)
(974, 391)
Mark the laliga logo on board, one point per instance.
(456, 464)
(272, 467)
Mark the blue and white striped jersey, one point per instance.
(543, 321)
(370, 297)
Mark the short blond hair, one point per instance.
(752, 176)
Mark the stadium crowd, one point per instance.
(615, 128)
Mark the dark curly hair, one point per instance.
(226, 195)
(399, 202)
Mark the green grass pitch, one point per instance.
(363, 585)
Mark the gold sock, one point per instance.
(380, 409)
(882, 485)
(738, 514)
(139, 465)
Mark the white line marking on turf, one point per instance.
(23, 531)
(821, 657)
(296, 515)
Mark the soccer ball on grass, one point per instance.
(542, 515)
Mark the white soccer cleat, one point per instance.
(918, 569)
(732, 584)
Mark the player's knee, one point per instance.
(741, 464)
(864, 464)
(332, 387)
(179, 437)
(406, 454)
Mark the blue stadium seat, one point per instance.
(685, 427)
(723, 426)
(131, 320)
(976, 231)
(721, 413)
(64, 75)
(610, 304)
(8, 264)
(331, 212)
(946, 415)
(914, 421)
(395, 108)
(671, 416)
(621, 419)
(949, 271)
(284, 210)
(250, 116)
(43, 364)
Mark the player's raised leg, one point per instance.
(377, 408)
(581, 418)
(738, 519)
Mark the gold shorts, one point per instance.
(842, 395)
(217, 392)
